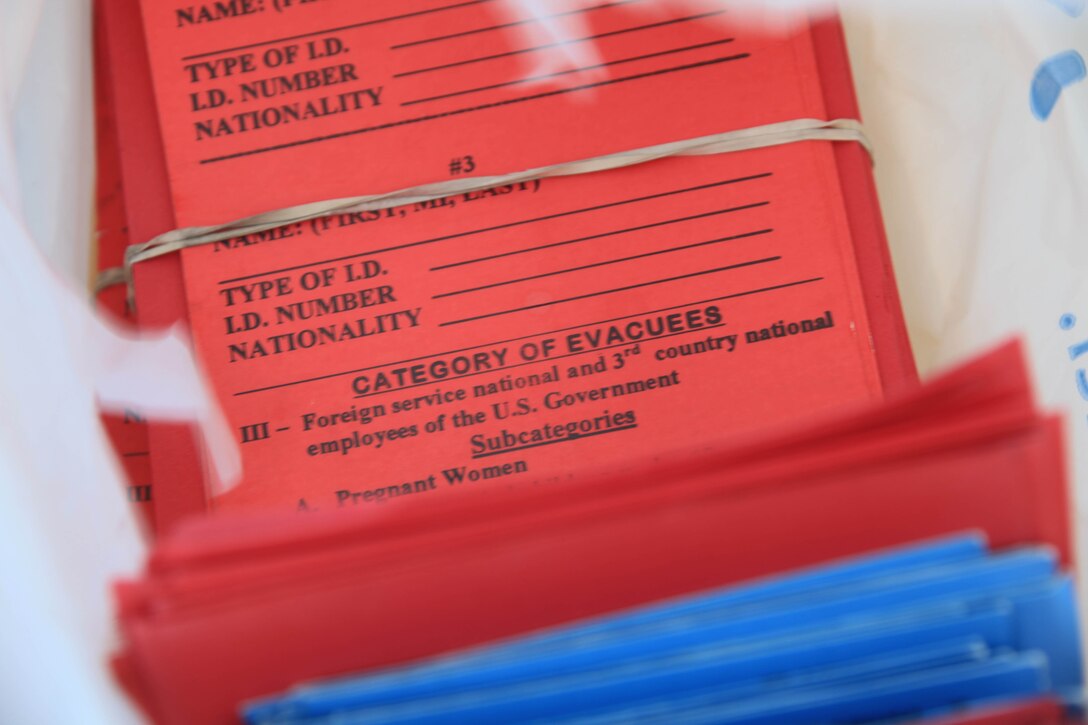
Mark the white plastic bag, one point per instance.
(986, 207)
(66, 529)
(986, 204)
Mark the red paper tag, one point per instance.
(127, 431)
(297, 102)
(523, 334)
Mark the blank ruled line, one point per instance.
(603, 293)
(326, 31)
(329, 376)
(474, 109)
(606, 348)
(604, 263)
(537, 79)
(499, 227)
(602, 235)
(522, 51)
(566, 439)
(477, 31)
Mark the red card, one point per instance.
(127, 432)
(255, 104)
(780, 248)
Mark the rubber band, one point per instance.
(776, 134)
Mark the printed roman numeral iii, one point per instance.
(255, 432)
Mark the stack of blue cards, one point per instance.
(917, 633)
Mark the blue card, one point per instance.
(890, 620)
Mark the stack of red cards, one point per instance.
(235, 607)
(531, 332)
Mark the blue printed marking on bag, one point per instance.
(1052, 76)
